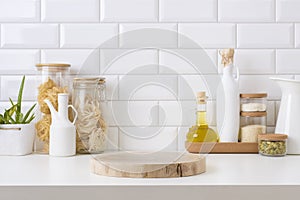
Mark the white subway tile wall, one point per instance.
(255, 61)
(246, 10)
(288, 11)
(288, 61)
(84, 61)
(265, 35)
(149, 51)
(29, 35)
(188, 10)
(20, 10)
(129, 10)
(88, 35)
(70, 10)
(143, 35)
(216, 35)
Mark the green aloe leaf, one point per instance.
(2, 121)
(19, 103)
(16, 110)
(28, 113)
(11, 101)
(6, 117)
(12, 121)
(30, 119)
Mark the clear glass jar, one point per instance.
(254, 102)
(53, 79)
(272, 144)
(252, 124)
(88, 93)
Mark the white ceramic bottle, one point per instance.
(228, 100)
(62, 131)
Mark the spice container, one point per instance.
(88, 93)
(252, 124)
(54, 79)
(253, 102)
(272, 144)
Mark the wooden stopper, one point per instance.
(227, 56)
(253, 114)
(201, 97)
(53, 65)
(254, 95)
(272, 136)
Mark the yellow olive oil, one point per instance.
(201, 132)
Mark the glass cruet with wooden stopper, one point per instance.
(201, 132)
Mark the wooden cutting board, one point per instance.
(148, 164)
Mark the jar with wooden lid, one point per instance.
(255, 102)
(252, 124)
(272, 144)
(88, 99)
(53, 79)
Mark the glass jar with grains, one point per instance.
(252, 124)
(272, 144)
(88, 95)
(53, 79)
(256, 102)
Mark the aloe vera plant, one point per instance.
(14, 115)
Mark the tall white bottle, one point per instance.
(228, 100)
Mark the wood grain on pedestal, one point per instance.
(148, 164)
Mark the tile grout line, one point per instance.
(275, 61)
(275, 11)
(1, 36)
(158, 62)
(158, 11)
(119, 146)
(119, 35)
(294, 35)
(99, 18)
(128, 48)
(149, 22)
(217, 11)
(59, 36)
(158, 113)
(178, 35)
(236, 36)
(177, 29)
(40, 11)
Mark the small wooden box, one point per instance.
(222, 147)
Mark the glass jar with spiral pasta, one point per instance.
(53, 78)
(88, 93)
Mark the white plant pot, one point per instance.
(16, 139)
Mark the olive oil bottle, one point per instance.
(201, 132)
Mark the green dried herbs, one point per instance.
(272, 148)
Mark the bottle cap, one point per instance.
(201, 97)
(227, 56)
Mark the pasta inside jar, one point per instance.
(90, 124)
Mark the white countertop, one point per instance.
(229, 170)
(232, 177)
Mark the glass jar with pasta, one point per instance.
(88, 93)
(53, 79)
